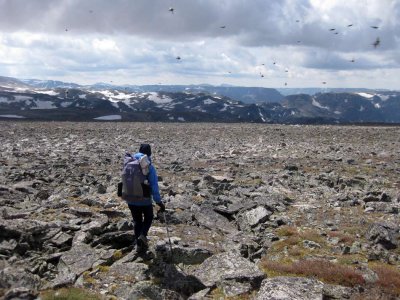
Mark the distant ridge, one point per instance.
(193, 103)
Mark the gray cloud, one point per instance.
(142, 37)
(254, 23)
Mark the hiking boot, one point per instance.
(141, 244)
(142, 240)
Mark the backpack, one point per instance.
(135, 186)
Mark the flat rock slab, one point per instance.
(228, 266)
(74, 262)
(208, 218)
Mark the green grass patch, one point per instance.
(321, 269)
(69, 294)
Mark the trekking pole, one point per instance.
(168, 235)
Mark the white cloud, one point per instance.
(137, 42)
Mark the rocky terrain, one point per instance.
(253, 212)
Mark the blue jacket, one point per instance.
(153, 181)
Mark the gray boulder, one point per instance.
(11, 277)
(389, 208)
(116, 240)
(73, 263)
(147, 290)
(387, 235)
(97, 225)
(290, 288)
(253, 217)
(181, 254)
(228, 268)
(21, 293)
(208, 218)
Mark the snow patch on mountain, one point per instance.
(3, 100)
(317, 104)
(22, 98)
(65, 104)
(209, 101)
(12, 116)
(384, 97)
(153, 96)
(109, 118)
(377, 105)
(48, 92)
(224, 108)
(44, 105)
(366, 95)
(261, 115)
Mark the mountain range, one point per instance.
(55, 100)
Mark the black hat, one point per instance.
(145, 149)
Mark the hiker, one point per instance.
(139, 186)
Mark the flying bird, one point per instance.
(262, 75)
(178, 58)
(352, 60)
(323, 82)
(377, 42)
(297, 21)
(336, 32)
(332, 29)
(171, 9)
(274, 63)
(285, 83)
(375, 27)
(222, 27)
(349, 25)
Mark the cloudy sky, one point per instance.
(267, 43)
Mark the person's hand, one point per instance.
(162, 206)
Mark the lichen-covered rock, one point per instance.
(188, 255)
(290, 288)
(208, 218)
(228, 267)
(74, 262)
(147, 290)
(21, 293)
(255, 216)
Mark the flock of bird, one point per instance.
(376, 43)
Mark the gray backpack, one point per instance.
(135, 186)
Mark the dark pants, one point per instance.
(142, 218)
